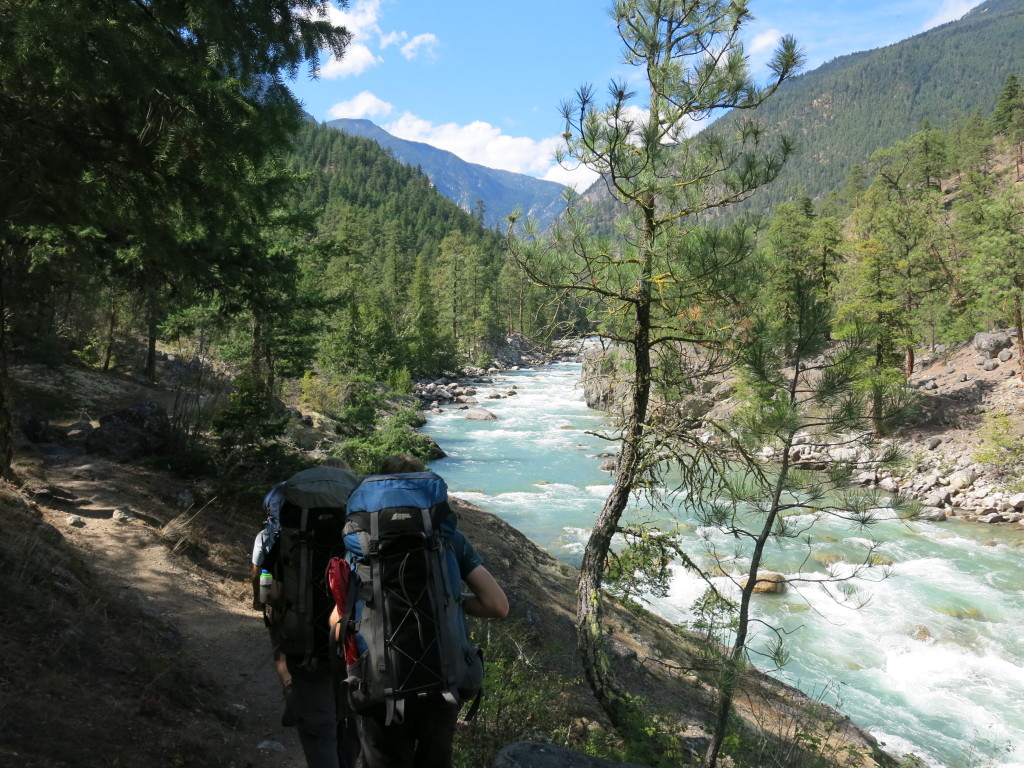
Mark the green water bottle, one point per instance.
(266, 579)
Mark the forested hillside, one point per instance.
(838, 114)
(841, 112)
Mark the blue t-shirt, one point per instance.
(467, 557)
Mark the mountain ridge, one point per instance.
(467, 183)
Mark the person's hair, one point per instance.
(402, 462)
(337, 463)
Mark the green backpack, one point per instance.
(311, 522)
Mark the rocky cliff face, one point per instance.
(964, 391)
(604, 386)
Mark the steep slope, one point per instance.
(846, 109)
(467, 183)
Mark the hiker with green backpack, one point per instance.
(310, 508)
(399, 616)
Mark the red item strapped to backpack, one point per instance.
(343, 586)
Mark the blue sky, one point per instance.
(484, 80)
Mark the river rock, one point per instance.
(961, 479)
(769, 583)
(938, 498)
(480, 414)
(529, 754)
(932, 514)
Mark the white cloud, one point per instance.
(478, 142)
(421, 44)
(361, 22)
(950, 10)
(485, 144)
(363, 105)
(580, 177)
(357, 59)
(764, 41)
(393, 38)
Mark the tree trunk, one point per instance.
(6, 404)
(588, 606)
(908, 369)
(727, 687)
(876, 393)
(151, 350)
(108, 353)
(1019, 321)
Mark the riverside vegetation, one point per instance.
(286, 265)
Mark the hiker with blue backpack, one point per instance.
(305, 518)
(399, 621)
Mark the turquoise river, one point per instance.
(933, 665)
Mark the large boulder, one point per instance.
(990, 344)
(603, 385)
(961, 479)
(130, 433)
(768, 583)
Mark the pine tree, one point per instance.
(658, 284)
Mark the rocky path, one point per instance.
(116, 518)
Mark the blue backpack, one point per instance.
(410, 626)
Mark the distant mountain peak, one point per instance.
(468, 183)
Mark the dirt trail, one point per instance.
(210, 613)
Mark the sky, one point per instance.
(485, 80)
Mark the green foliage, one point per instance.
(522, 701)
(1001, 445)
(247, 424)
(1009, 105)
(643, 739)
(644, 565)
(393, 435)
(399, 381)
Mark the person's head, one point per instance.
(337, 463)
(399, 463)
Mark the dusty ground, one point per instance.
(180, 559)
(209, 609)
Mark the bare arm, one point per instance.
(254, 577)
(488, 600)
